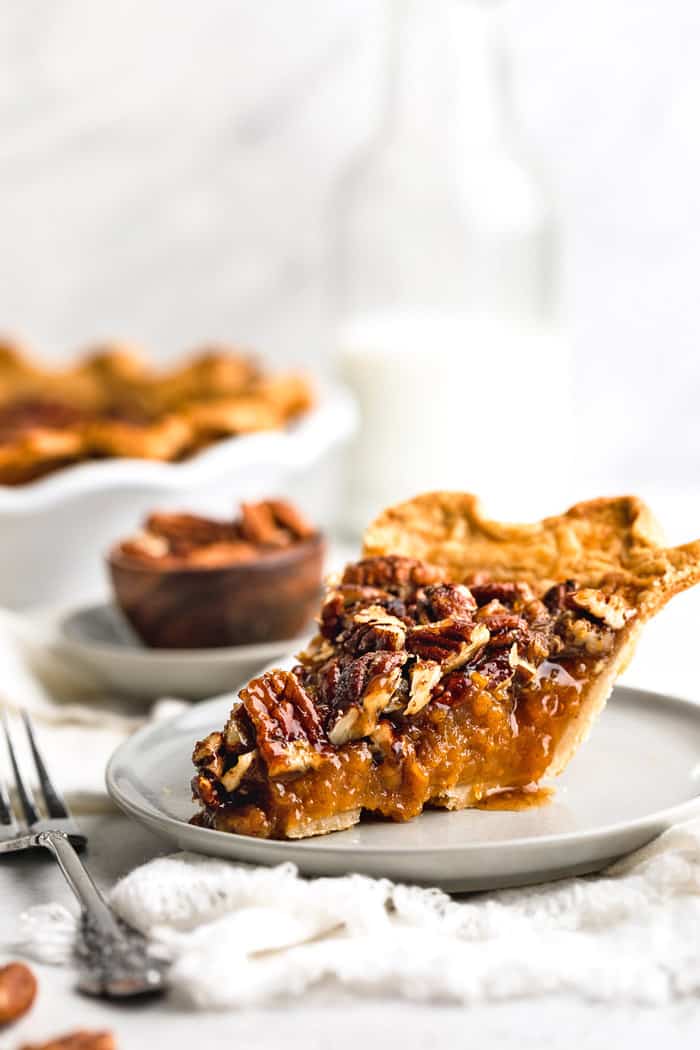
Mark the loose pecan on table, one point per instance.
(81, 1039)
(18, 988)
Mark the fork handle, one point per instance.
(114, 959)
(97, 912)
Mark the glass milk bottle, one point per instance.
(444, 277)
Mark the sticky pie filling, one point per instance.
(416, 691)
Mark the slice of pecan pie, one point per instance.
(461, 657)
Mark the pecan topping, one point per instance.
(506, 593)
(350, 677)
(317, 653)
(388, 744)
(208, 755)
(556, 598)
(583, 634)
(344, 729)
(394, 573)
(237, 735)
(444, 601)
(424, 675)
(288, 731)
(448, 642)
(520, 665)
(204, 787)
(233, 776)
(610, 608)
(361, 720)
(505, 627)
(377, 696)
(383, 740)
(373, 629)
(360, 689)
(343, 601)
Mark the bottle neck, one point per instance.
(448, 75)
(420, 73)
(484, 80)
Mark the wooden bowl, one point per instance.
(196, 607)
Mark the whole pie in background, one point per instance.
(460, 659)
(111, 403)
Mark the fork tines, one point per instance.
(53, 802)
(6, 817)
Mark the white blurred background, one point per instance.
(169, 172)
(174, 172)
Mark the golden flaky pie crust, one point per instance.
(613, 544)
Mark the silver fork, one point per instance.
(113, 959)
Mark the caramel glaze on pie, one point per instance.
(442, 682)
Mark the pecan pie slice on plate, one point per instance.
(460, 659)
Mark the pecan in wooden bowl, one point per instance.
(188, 582)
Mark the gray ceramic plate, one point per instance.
(638, 774)
(98, 640)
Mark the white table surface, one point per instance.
(324, 1020)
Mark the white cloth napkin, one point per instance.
(78, 726)
(243, 936)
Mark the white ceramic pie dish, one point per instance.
(54, 532)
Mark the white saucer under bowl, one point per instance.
(98, 640)
(637, 775)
